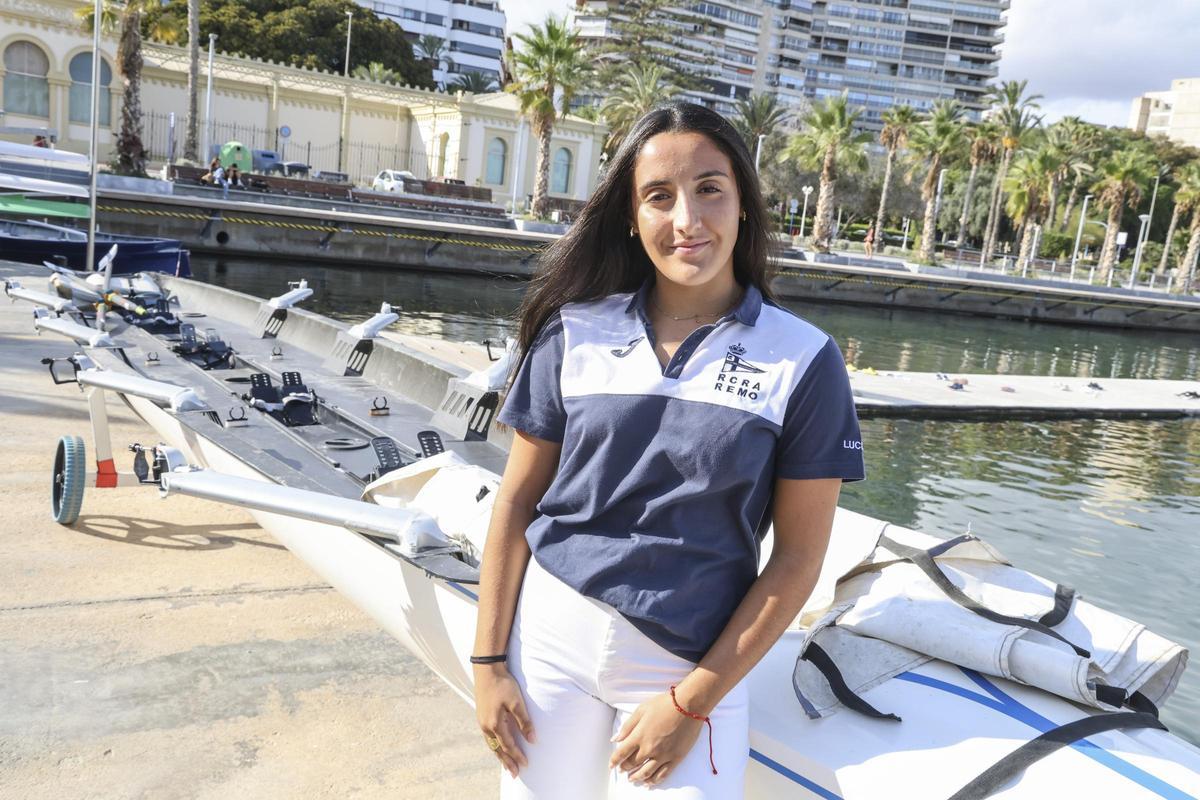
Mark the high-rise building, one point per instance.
(473, 32)
(881, 52)
(1174, 113)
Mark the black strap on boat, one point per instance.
(1116, 696)
(923, 560)
(845, 695)
(995, 777)
(1063, 597)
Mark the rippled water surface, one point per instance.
(1109, 507)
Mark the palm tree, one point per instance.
(1122, 178)
(474, 81)
(934, 143)
(1187, 198)
(829, 143)
(1069, 163)
(432, 48)
(1016, 119)
(898, 123)
(758, 115)
(191, 146)
(1029, 185)
(1085, 141)
(638, 89)
(984, 138)
(550, 64)
(376, 72)
(131, 152)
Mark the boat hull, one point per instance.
(133, 255)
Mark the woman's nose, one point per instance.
(685, 213)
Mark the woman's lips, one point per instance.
(687, 250)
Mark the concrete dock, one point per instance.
(170, 649)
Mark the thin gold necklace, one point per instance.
(654, 303)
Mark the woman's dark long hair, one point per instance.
(597, 256)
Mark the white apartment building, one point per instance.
(472, 29)
(881, 52)
(1174, 113)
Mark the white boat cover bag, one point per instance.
(456, 494)
(895, 601)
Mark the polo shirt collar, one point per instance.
(746, 312)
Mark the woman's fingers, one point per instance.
(626, 757)
(507, 763)
(645, 771)
(660, 774)
(508, 742)
(523, 722)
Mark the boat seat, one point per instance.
(158, 319)
(293, 403)
(209, 352)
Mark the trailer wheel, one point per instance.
(66, 489)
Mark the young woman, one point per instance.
(666, 411)
(869, 242)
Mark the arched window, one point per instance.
(81, 89)
(560, 171)
(497, 153)
(26, 90)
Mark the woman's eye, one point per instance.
(654, 198)
(710, 186)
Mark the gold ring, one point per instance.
(492, 742)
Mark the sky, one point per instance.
(1088, 58)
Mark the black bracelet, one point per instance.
(489, 659)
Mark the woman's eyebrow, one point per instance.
(712, 173)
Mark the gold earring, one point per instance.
(632, 232)
(743, 216)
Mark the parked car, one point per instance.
(392, 180)
(268, 161)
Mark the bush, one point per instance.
(1056, 244)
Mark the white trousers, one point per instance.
(583, 669)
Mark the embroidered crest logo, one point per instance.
(730, 379)
(619, 353)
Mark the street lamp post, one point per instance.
(1079, 234)
(807, 190)
(758, 151)
(212, 38)
(93, 142)
(937, 203)
(349, 27)
(1143, 233)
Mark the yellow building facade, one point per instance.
(333, 123)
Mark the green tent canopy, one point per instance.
(21, 205)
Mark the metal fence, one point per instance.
(362, 161)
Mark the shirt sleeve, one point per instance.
(534, 402)
(820, 436)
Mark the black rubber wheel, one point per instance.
(66, 488)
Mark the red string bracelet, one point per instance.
(686, 713)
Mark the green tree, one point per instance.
(898, 123)
(649, 32)
(376, 72)
(758, 115)
(830, 143)
(984, 143)
(1085, 146)
(433, 49)
(934, 143)
(311, 34)
(474, 81)
(1014, 114)
(639, 88)
(1071, 163)
(1029, 185)
(191, 127)
(1187, 199)
(1123, 176)
(548, 64)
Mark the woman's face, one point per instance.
(686, 207)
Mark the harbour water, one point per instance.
(1109, 507)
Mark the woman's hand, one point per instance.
(500, 711)
(653, 740)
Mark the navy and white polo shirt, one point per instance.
(665, 478)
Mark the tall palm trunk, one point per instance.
(1162, 262)
(1108, 256)
(191, 146)
(131, 152)
(541, 184)
(823, 224)
(883, 194)
(989, 245)
(1055, 185)
(966, 212)
(1072, 198)
(1029, 231)
(929, 195)
(1185, 272)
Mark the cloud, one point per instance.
(1092, 57)
(520, 15)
